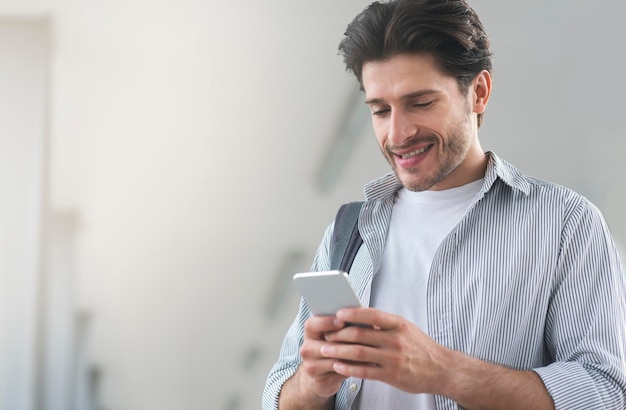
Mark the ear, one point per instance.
(482, 90)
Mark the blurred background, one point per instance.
(167, 165)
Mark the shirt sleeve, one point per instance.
(289, 357)
(586, 322)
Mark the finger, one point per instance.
(311, 349)
(316, 326)
(369, 316)
(359, 370)
(318, 367)
(356, 335)
(357, 353)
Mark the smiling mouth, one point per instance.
(416, 152)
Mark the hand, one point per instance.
(316, 371)
(394, 351)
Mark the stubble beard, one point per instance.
(453, 154)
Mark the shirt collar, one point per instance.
(497, 168)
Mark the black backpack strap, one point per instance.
(346, 239)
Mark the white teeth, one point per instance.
(416, 152)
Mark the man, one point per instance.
(487, 289)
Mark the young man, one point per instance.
(487, 289)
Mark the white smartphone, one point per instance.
(326, 292)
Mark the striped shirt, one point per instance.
(529, 279)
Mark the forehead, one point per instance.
(405, 73)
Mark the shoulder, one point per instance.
(533, 189)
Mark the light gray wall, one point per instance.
(23, 139)
(557, 105)
(186, 137)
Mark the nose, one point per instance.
(400, 128)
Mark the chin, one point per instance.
(414, 184)
(416, 188)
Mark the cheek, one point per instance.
(381, 133)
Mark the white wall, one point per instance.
(557, 105)
(23, 138)
(186, 136)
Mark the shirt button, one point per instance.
(353, 387)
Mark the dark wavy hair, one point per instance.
(449, 30)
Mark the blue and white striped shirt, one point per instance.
(529, 279)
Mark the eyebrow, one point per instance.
(409, 96)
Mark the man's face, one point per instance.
(425, 127)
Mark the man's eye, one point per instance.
(422, 105)
(381, 112)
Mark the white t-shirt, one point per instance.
(419, 223)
